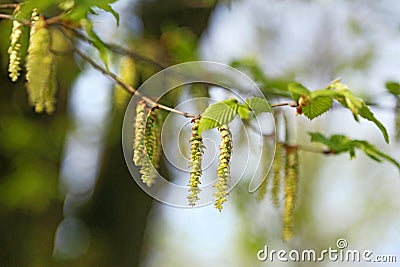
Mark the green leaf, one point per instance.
(366, 113)
(298, 90)
(317, 106)
(269, 86)
(83, 8)
(97, 42)
(258, 105)
(243, 112)
(372, 152)
(41, 6)
(393, 88)
(218, 114)
(310, 104)
(341, 144)
(358, 107)
(347, 99)
(109, 9)
(79, 10)
(336, 143)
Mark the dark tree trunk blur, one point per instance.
(117, 213)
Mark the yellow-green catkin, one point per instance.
(397, 119)
(262, 190)
(223, 170)
(152, 142)
(127, 73)
(277, 171)
(139, 149)
(14, 50)
(196, 155)
(148, 172)
(153, 137)
(40, 67)
(290, 191)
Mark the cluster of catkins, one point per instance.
(147, 151)
(223, 170)
(285, 167)
(40, 62)
(146, 146)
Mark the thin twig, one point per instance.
(12, 17)
(54, 20)
(8, 6)
(6, 16)
(308, 148)
(116, 48)
(290, 104)
(315, 150)
(128, 87)
(124, 51)
(299, 147)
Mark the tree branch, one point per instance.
(129, 88)
(308, 148)
(299, 147)
(12, 17)
(132, 90)
(315, 150)
(116, 48)
(6, 16)
(8, 6)
(290, 104)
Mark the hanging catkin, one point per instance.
(14, 50)
(266, 148)
(223, 170)
(147, 142)
(139, 149)
(153, 137)
(39, 67)
(290, 191)
(152, 148)
(277, 170)
(397, 119)
(196, 154)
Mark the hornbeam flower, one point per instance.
(223, 170)
(196, 154)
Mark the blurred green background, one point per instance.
(67, 198)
